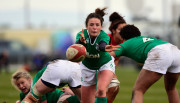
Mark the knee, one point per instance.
(137, 92)
(170, 88)
(101, 92)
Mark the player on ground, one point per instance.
(22, 81)
(95, 40)
(159, 58)
(57, 74)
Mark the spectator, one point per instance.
(4, 61)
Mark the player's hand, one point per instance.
(67, 90)
(110, 48)
(82, 38)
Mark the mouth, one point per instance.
(94, 32)
(24, 90)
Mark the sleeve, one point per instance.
(78, 42)
(73, 99)
(38, 75)
(21, 96)
(43, 98)
(78, 37)
(119, 52)
(104, 37)
(102, 45)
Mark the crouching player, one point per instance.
(55, 75)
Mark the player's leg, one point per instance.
(36, 92)
(155, 66)
(88, 87)
(113, 89)
(107, 72)
(145, 79)
(104, 80)
(88, 94)
(170, 80)
(171, 77)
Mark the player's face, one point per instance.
(23, 84)
(117, 31)
(94, 27)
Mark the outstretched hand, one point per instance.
(110, 48)
(82, 38)
(67, 90)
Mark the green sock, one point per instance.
(101, 100)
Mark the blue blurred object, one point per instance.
(61, 40)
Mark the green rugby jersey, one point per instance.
(51, 97)
(137, 48)
(95, 58)
(22, 95)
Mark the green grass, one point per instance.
(126, 75)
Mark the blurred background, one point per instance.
(33, 32)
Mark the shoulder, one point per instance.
(103, 32)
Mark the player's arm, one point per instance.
(39, 89)
(115, 51)
(81, 40)
(102, 46)
(70, 97)
(67, 90)
(112, 53)
(110, 48)
(67, 98)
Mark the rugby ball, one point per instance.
(76, 53)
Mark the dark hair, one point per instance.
(99, 13)
(115, 20)
(129, 31)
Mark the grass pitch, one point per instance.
(127, 76)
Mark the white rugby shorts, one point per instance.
(63, 71)
(89, 75)
(163, 58)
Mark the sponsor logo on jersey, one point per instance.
(92, 55)
(87, 40)
(97, 47)
(147, 39)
